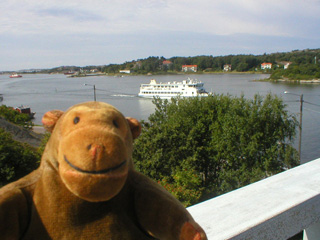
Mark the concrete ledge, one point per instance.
(274, 208)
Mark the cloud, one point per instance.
(222, 17)
(85, 32)
(227, 17)
(72, 14)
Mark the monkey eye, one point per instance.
(115, 123)
(76, 120)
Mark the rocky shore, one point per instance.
(23, 135)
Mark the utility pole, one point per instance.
(300, 122)
(94, 90)
(300, 125)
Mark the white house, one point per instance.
(266, 65)
(125, 71)
(227, 67)
(189, 68)
(286, 64)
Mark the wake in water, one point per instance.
(123, 95)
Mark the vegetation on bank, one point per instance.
(304, 65)
(16, 159)
(199, 148)
(297, 72)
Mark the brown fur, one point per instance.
(86, 186)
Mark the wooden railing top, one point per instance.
(277, 207)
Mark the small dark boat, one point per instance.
(25, 110)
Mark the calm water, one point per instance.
(46, 92)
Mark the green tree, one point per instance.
(202, 147)
(242, 66)
(16, 159)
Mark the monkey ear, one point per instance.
(50, 119)
(135, 127)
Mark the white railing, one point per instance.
(274, 208)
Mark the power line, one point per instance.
(311, 110)
(314, 104)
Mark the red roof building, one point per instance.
(189, 68)
(166, 62)
(266, 65)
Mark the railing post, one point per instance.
(312, 232)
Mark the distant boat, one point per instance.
(25, 110)
(186, 88)
(1, 98)
(15, 75)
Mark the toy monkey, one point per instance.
(86, 186)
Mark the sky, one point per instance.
(37, 34)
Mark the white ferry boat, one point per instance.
(186, 88)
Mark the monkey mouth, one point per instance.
(104, 171)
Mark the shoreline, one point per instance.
(141, 74)
(298, 81)
(39, 129)
(288, 80)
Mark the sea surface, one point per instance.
(43, 92)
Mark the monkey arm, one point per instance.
(160, 214)
(14, 214)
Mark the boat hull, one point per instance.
(15, 76)
(170, 96)
(186, 88)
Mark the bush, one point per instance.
(16, 159)
(199, 148)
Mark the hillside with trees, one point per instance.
(16, 159)
(297, 72)
(239, 63)
(303, 64)
(18, 145)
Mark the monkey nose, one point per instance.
(95, 150)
